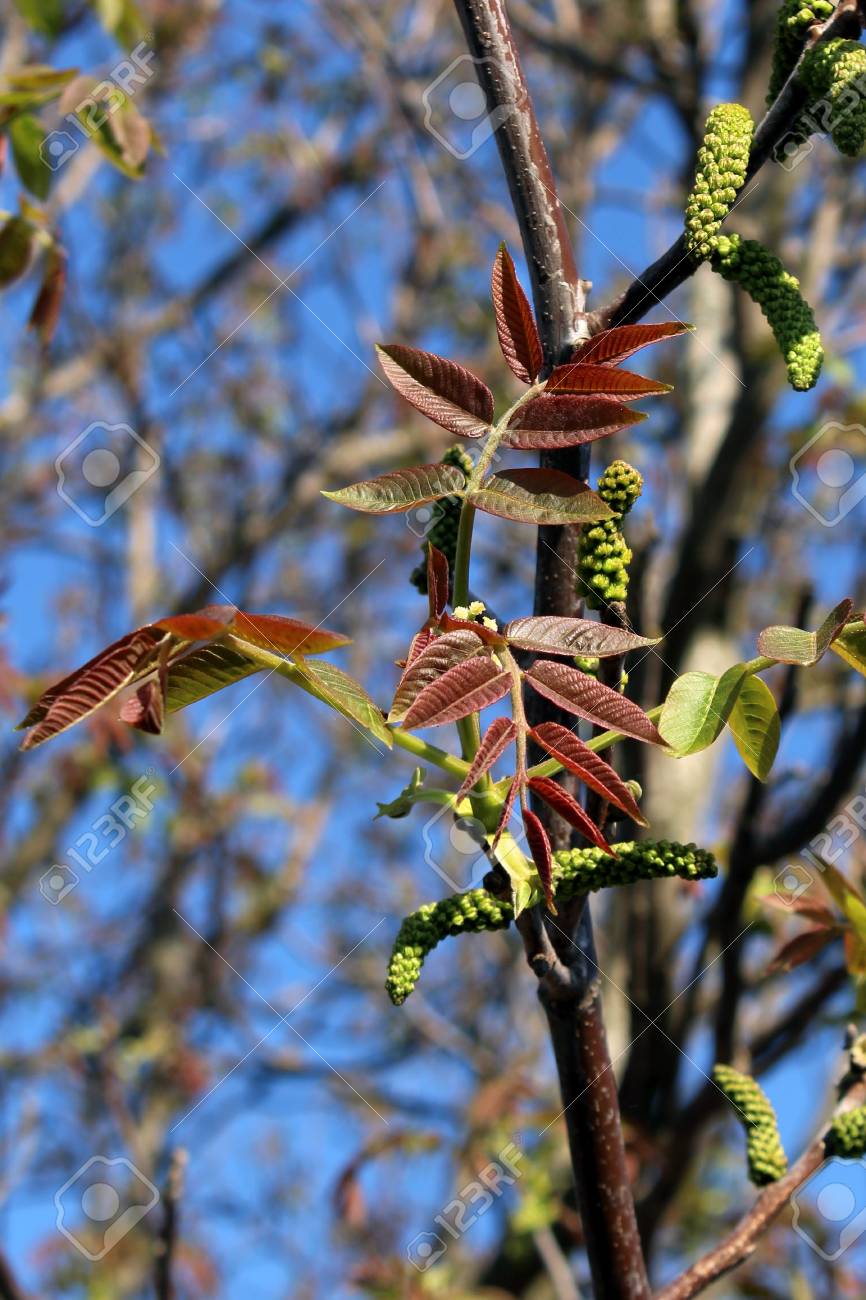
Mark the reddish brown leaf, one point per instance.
(92, 685)
(446, 393)
(49, 301)
(464, 689)
(419, 642)
(604, 381)
(442, 653)
(399, 491)
(203, 625)
(539, 846)
(145, 710)
(515, 323)
(286, 636)
(802, 948)
(539, 496)
(614, 345)
(438, 585)
(569, 750)
(799, 905)
(552, 634)
(589, 699)
(562, 802)
(563, 420)
(496, 738)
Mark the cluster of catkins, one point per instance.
(723, 160)
(576, 871)
(847, 1136)
(777, 293)
(794, 19)
(445, 520)
(834, 73)
(764, 1151)
(604, 556)
(720, 174)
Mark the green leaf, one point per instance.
(347, 696)
(850, 645)
(697, 708)
(27, 138)
(16, 250)
(756, 726)
(203, 673)
(793, 645)
(401, 490)
(520, 870)
(44, 16)
(539, 496)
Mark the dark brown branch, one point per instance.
(9, 1288)
(568, 986)
(675, 266)
(165, 1247)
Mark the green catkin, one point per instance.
(794, 19)
(576, 871)
(777, 293)
(764, 1151)
(721, 172)
(604, 556)
(847, 1136)
(445, 520)
(834, 72)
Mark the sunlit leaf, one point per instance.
(498, 736)
(203, 673)
(802, 948)
(564, 803)
(592, 700)
(614, 345)
(442, 653)
(850, 645)
(551, 634)
(401, 489)
(442, 390)
(287, 636)
(202, 625)
(576, 757)
(347, 696)
(539, 496)
(604, 381)
(756, 727)
(464, 689)
(697, 707)
(793, 645)
(515, 323)
(567, 421)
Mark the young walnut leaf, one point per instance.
(564, 803)
(463, 689)
(203, 672)
(438, 585)
(515, 323)
(603, 381)
(614, 345)
(576, 757)
(498, 736)
(400, 490)
(287, 636)
(446, 393)
(539, 496)
(792, 645)
(442, 653)
(589, 699)
(567, 421)
(202, 625)
(145, 710)
(347, 696)
(542, 856)
(552, 634)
